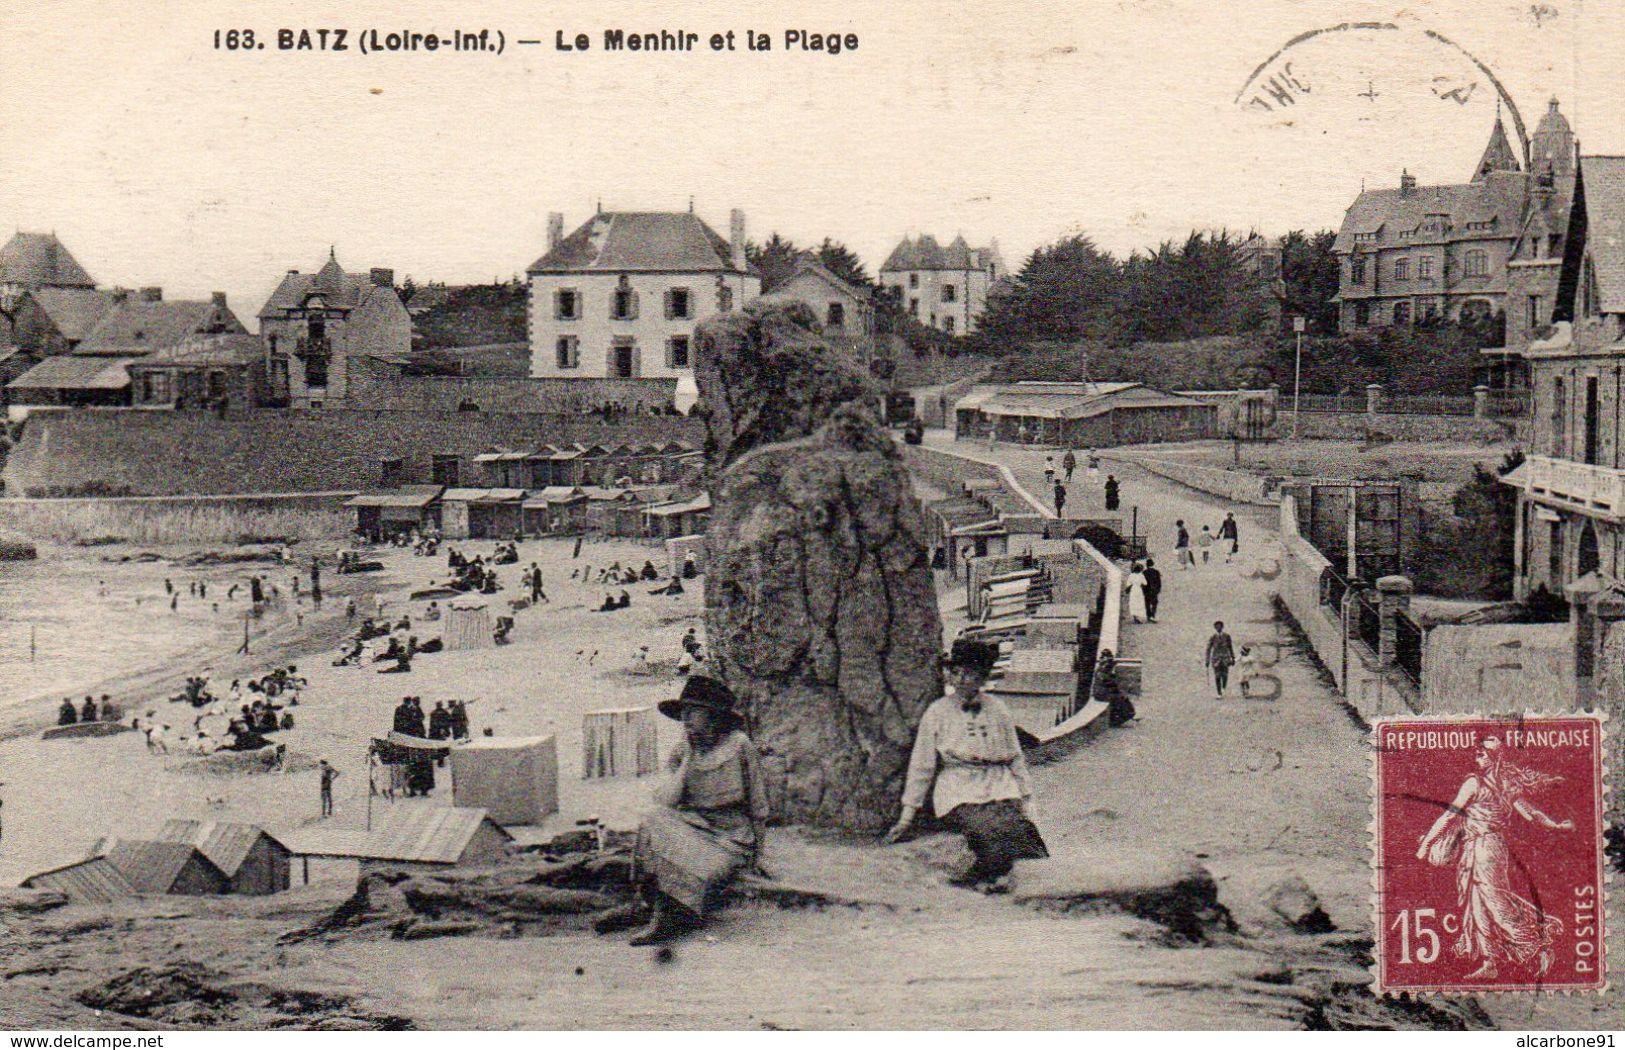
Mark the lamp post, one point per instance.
(1297, 374)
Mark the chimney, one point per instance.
(555, 229)
(736, 237)
(218, 299)
(383, 278)
(1407, 184)
(293, 273)
(152, 295)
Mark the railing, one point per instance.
(1408, 648)
(1507, 404)
(1427, 406)
(1327, 403)
(1332, 589)
(1368, 620)
(1579, 485)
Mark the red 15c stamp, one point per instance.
(1489, 859)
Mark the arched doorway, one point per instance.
(1587, 558)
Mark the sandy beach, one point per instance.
(62, 797)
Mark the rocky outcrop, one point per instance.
(820, 609)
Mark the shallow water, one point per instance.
(60, 634)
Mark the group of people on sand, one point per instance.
(472, 574)
(91, 711)
(709, 821)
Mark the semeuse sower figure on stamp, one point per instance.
(1497, 923)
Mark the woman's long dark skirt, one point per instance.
(999, 835)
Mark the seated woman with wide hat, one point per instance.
(709, 822)
(967, 758)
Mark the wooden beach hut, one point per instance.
(410, 835)
(254, 861)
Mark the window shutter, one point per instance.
(558, 304)
(671, 306)
(632, 306)
(671, 344)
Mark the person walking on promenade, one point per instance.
(1205, 541)
(1069, 463)
(1060, 500)
(1230, 535)
(1182, 545)
(1094, 467)
(967, 759)
(1135, 585)
(316, 583)
(1049, 471)
(1153, 589)
(1112, 497)
(328, 774)
(1220, 656)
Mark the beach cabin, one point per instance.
(481, 514)
(409, 835)
(167, 867)
(511, 470)
(555, 508)
(515, 780)
(253, 860)
(93, 881)
(391, 512)
(963, 527)
(678, 518)
(1040, 686)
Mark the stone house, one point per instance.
(945, 288)
(1571, 504)
(30, 261)
(314, 324)
(1415, 252)
(620, 297)
(136, 325)
(845, 311)
(202, 372)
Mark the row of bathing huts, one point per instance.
(648, 491)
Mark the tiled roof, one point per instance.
(74, 311)
(1389, 212)
(1077, 400)
(626, 241)
(224, 843)
(71, 372)
(231, 349)
(340, 290)
(924, 253)
(36, 259)
(139, 325)
(1498, 155)
(422, 834)
(1605, 227)
(153, 867)
(93, 881)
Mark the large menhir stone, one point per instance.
(820, 609)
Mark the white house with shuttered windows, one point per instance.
(620, 297)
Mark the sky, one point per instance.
(159, 159)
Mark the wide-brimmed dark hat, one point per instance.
(972, 655)
(701, 691)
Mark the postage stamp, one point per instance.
(1488, 863)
